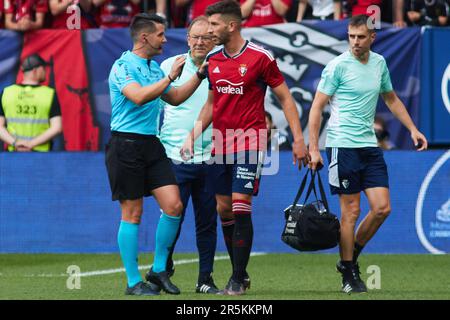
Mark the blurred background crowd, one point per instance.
(26, 15)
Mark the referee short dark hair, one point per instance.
(144, 22)
(225, 7)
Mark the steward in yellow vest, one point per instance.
(30, 115)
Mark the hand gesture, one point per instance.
(300, 153)
(177, 67)
(420, 142)
(187, 150)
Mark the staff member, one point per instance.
(30, 115)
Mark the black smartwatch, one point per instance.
(200, 75)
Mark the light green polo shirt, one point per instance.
(354, 88)
(179, 120)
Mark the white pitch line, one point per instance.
(119, 270)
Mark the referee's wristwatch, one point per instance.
(200, 75)
(170, 79)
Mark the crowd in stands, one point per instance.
(26, 15)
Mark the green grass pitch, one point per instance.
(274, 277)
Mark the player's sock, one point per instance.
(165, 235)
(242, 238)
(356, 251)
(127, 237)
(228, 230)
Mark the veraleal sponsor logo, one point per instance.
(230, 88)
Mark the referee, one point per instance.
(135, 158)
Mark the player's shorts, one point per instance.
(136, 165)
(238, 172)
(352, 170)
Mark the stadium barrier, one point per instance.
(61, 203)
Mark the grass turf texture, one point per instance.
(274, 276)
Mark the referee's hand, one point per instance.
(300, 153)
(177, 67)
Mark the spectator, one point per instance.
(115, 13)
(428, 13)
(282, 141)
(72, 14)
(25, 15)
(382, 134)
(322, 9)
(196, 7)
(30, 115)
(264, 12)
(394, 14)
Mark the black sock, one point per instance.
(242, 245)
(228, 230)
(356, 251)
(347, 264)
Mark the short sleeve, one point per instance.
(329, 80)
(122, 75)
(2, 113)
(271, 73)
(55, 109)
(386, 84)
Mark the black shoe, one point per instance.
(233, 288)
(351, 280)
(357, 273)
(143, 289)
(207, 286)
(247, 281)
(162, 280)
(170, 268)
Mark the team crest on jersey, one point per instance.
(243, 69)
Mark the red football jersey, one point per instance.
(239, 86)
(198, 8)
(264, 14)
(60, 21)
(25, 8)
(360, 6)
(116, 13)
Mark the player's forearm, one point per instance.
(50, 133)
(247, 8)
(315, 115)
(301, 10)
(279, 7)
(293, 118)
(337, 10)
(203, 121)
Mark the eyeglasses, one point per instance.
(204, 38)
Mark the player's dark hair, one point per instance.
(360, 20)
(144, 22)
(225, 7)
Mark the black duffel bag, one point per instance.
(311, 227)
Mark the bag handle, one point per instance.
(301, 188)
(312, 187)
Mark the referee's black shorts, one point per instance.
(136, 165)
